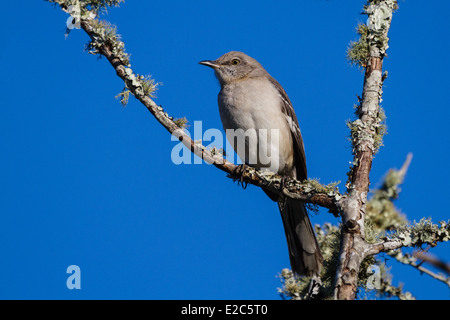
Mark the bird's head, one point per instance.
(235, 66)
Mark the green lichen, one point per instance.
(374, 33)
(296, 288)
(138, 85)
(380, 130)
(360, 131)
(315, 185)
(293, 288)
(124, 96)
(182, 122)
(358, 51)
(329, 240)
(424, 232)
(149, 85)
(105, 34)
(88, 5)
(379, 17)
(142, 85)
(97, 5)
(381, 212)
(373, 132)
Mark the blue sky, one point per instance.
(87, 182)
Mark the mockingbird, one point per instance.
(250, 99)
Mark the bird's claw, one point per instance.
(239, 174)
(283, 181)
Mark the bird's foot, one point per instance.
(284, 179)
(239, 175)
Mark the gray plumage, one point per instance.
(250, 99)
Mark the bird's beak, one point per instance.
(210, 63)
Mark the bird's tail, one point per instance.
(304, 251)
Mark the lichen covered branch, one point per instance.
(364, 134)
(106, 42)
(417, 234)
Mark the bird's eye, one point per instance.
(235, 62)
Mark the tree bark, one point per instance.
(354, 248)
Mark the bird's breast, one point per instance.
(254, 107)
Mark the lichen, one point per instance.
(124, 96)
(105, 34)
(380, 130)
(358, 51)
(330, 189)
(141, 85)
(380, 210)
(379, 18)
(89, 5)
(293, 288)
(373, 33)
(97, 5)
(181, 122)
(424, 232)
(296, 288)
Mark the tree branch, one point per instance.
(106, 42)
(418, 234)
(411, 260)
(303, 191)
(364, 132)
(434, 262)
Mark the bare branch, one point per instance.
(411, 260)
(435, 262)
(404, 169)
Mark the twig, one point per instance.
(435, 262)
(412, 261)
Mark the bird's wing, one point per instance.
(291, 118)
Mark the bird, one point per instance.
(251, 100)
